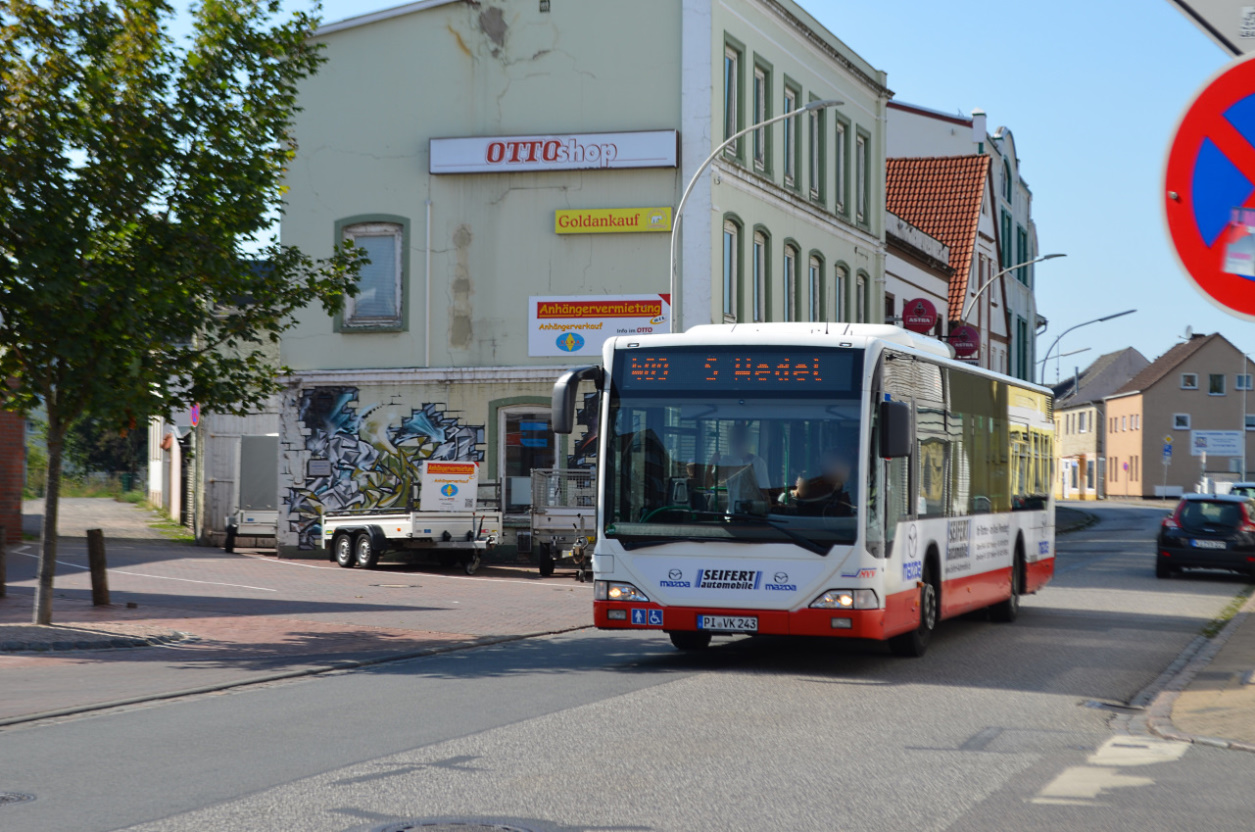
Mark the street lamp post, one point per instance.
(967, 307)
(1078, 326)
(675, 223)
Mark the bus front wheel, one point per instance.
(915, 643)
(685, 640)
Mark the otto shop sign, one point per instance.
(582, 151)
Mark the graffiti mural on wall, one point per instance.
(367, 459)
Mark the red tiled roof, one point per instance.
(941, 196)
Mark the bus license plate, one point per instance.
(728, 623)
(1208, 544)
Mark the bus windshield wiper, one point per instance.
(801, 540)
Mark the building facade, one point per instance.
(516, 208)
(12, 474)
(917, 268)
(916, 131)
(1192, 398)
(1080, 423)
(952, 200)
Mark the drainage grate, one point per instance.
(448, 826)
(15, 797)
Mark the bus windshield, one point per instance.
(695, 457)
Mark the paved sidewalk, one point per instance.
(1220, 700)
(75, 515)
(246, 618)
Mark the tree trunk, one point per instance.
(48, 550)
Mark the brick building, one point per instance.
(12, 473)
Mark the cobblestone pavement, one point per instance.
(250, 616)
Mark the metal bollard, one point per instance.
(96, 561)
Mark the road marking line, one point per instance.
(265, 559)
(159, 577)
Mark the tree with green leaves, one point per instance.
(139, 178)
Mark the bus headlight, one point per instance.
(847, 599)
(617, 591)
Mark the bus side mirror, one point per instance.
(564, 390)
(896, 436)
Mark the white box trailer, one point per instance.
(451, 522)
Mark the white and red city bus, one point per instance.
(824, 479)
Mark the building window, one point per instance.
(759, 265)
(1022, 345)
(790, 284)
(1007, 193)
(890, 308)
(1215, 384)
(815, 127)
(1180, 421)
(378, 300)
(1124, 423)
(731, 255)
(731, 98)
(1082, 422)
(841, 160)
(1250, 421)
(1006, 240)
(1021, 253)
(815, 289)
(862, 187)
(860, 299)
(1089, 475)
(760, 115)
(790, 139)
(527, 442)
(1113, 466)
(1242, 381)
(841, 313)
(1189, 381)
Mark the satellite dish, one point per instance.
(1189, 332)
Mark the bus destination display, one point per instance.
(737, 369)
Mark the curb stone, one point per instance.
(1160, 695)
(320, 670)
(112, 643)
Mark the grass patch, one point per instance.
(163, 523)
(1213, 627)
(133, 497)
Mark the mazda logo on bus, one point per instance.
(675, 574)
(782, 577)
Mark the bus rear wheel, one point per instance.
(686, 640)
(915, 643)
(1007, 611)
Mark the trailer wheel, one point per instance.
(364, 548)
(342, 545)
(545, 560)
(471, 565)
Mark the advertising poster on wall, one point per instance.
(449, 486)
(580, 324)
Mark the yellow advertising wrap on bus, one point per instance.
(611, 220)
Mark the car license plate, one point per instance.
(728, 623)
(1208, 544)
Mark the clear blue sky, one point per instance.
(1092, 90)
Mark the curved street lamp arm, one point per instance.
(1055, 343)
(675, 222)
(967, 307)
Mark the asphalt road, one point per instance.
(996, 728)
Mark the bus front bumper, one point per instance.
(898, 616)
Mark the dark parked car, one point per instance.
(1208, 531)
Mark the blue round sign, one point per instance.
(570, 342)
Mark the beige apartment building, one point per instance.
(512, 169)
(1191, 399)
(1080, 423)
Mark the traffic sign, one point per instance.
(1209, 183)
(1167, 452)
(1230, 23)
(1167, 440)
